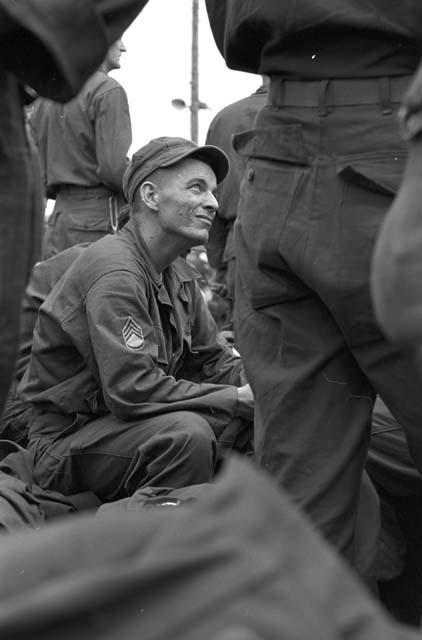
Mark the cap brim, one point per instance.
(211, 155)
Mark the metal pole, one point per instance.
(194, 102)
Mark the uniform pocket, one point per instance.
(276, 169)
(93, 221)
(367, 183)
(377, 173)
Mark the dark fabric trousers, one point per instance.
(112, 458)
(20, 221)
(318, 183)
(79, 215)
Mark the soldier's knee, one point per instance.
(195, 433)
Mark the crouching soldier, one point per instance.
(130, 384)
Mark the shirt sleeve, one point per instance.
(125, 347)
(113, 136)
(211, 357)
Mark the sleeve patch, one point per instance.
(133, 335)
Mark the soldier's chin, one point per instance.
(198, 237)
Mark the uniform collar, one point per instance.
(181, 270)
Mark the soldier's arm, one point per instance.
(211, 359)
(113, 136)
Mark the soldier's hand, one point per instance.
(245, 402)
(410, 113)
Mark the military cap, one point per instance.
(166, 152)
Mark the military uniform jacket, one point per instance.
(84, 143)
(114, 335)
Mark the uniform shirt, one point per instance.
(114, 335)
(319, 38)
(234, 118)
(44, 276)
(84, 142)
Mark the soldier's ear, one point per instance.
(149, 195)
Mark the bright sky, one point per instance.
(157, 67)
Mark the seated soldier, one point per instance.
(129, 382)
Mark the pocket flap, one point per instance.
(282, 143)
(382, 175)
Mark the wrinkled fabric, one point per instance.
(315, 39)
(83, 147)
(396, 264)
(85, 142)
(23, 504)
(44, 276)
(20, 220)
(114, 336)
(242, 557)
(18, 506)
(113, 458)
(130, 381)
(389, 462)
(150, 497)
(236, 117)
(79, 216)
(316, 188)
(16, 416)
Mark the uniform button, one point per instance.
(251, 175)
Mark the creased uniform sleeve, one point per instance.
(126, 351)
(113, 136)
(211, 357)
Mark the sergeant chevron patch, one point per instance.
(133, 335)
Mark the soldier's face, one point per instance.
(114, 53)
(186, 201)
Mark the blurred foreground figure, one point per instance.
(37, 45)
(397, 264)
(239, 564)
(324, 160)
(83, 149)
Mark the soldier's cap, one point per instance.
(165, 152)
